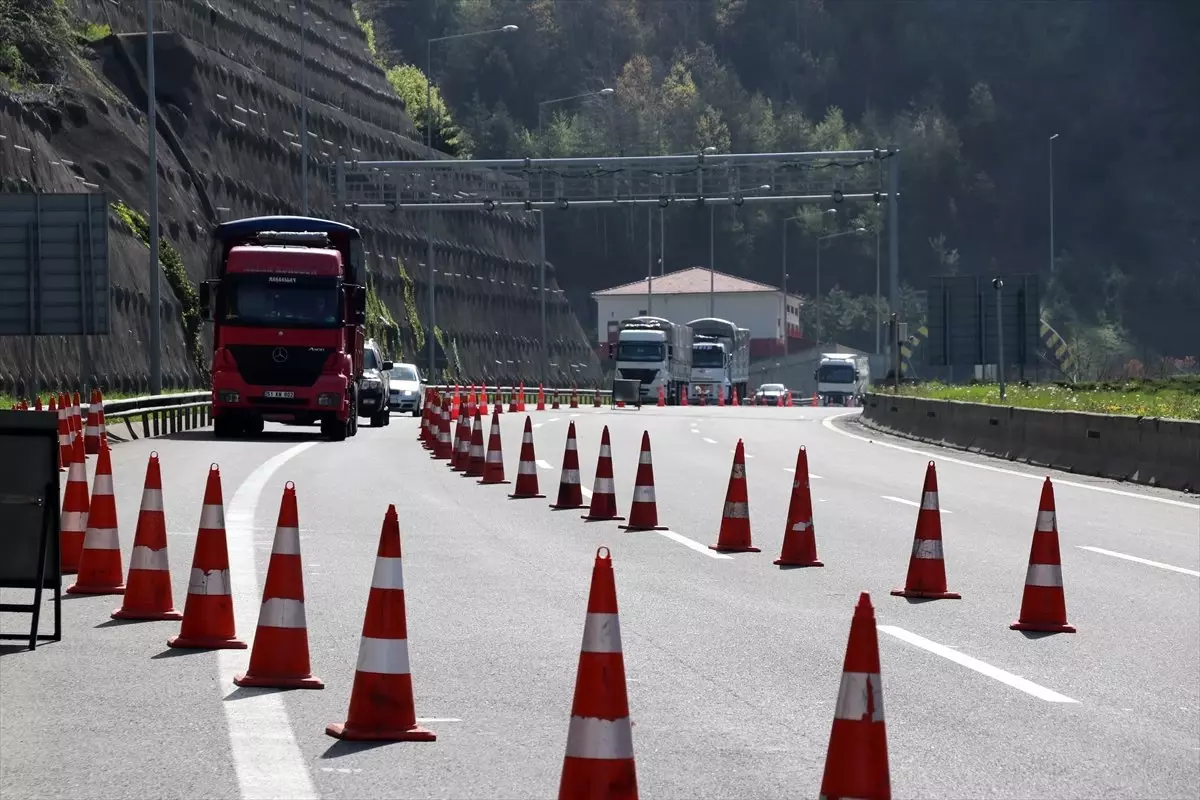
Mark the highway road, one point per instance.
(733, 664)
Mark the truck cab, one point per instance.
(656, 352)
(842, 378)
(710, 371)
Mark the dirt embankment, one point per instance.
(229, 113)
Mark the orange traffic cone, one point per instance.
(493, 459)
(662, 400)
(856, 764)
(527, 478)
(64, 434)
(91, 436)
(735, 397)
(515, 401)
(599, 760)
(734, 536)
(100, 570)
(482, 408)
(573, 404)
(643, 514)
(720, 396)
(541, 398)
(101, 424)
(148, 587)
(444, 448)
(799, 537)
(476, 461)
(926, 569)
(381, 702)
(208, 612)
(788, 399)
(520, 398)
(423, 431)
(279, 658)
(570, 493)
(74, 519)
(1044, 604)
(604, 495)
(461, 452)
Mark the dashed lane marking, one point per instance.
(710, 441)
(538, 424)
(912, 503)
(936, 452)
(1145, 561)
(553, 419)
(693, 544)
(812, 475)
(995, 673)
(544, 464)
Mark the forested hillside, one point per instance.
(969, 91)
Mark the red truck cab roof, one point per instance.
(247, 259)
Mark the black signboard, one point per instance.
(961, 314)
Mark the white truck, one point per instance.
(656, 352)
(841, 377)
(720, 360)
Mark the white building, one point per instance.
(683, 296)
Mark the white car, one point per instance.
(407, 389)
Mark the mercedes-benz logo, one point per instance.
(279, 355)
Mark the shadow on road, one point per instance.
(9, 649)
(343, 748)
(206, 435)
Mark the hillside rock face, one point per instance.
(227, 82)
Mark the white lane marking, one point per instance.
(538, 424)
(544, 464)
(695, 430)
(710, 441)
(693, 544)
(573, 416)
(438, 719)
(1146, 561)
(812, 475)
(995, 673)
(933, 451)
(266, 757)
(586, 492)
(912, 503)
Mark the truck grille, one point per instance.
(258, 366)
(643, 375)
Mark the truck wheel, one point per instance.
(334, 429)
(253, 427)
(379, 420)
(225, 428)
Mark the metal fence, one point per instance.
(159, 414)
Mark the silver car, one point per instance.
(407, 390)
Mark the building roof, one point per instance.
(693, 280)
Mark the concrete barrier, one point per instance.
(1146, 450)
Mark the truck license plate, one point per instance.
(279, 395)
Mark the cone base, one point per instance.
(69, 570)
(494, 483)
(1042, 627)
(469, 474)
(205, 643)
(787, 563)
(567, 507)
(266, 682)
(590, 518)
(122, 613)
(734, 548)
(637, 528)
(414, 734)
(914, 593)
(75, 588)
(527, 497)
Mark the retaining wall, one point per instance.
(1147, 450)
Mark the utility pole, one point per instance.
(712, 262)
(152, 216)
(542, 291)
(649, 261)
(1052, 138)
(998, 285)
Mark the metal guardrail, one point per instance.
(161, 413)
(507, 393)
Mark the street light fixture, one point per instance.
(784, 272)
(605, 92)
(820, 330)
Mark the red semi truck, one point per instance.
(287, 300)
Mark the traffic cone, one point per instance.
(570, 494)
(720, 396)
(779, 401)
(926, 569)
(64, 433)
(604, 496)
(734, 536)
(493, 459)
(815, 400)
(482, 408)
(643, 514)
(1044, 605)
(527, 478)
(520, 398)
(100, 570)
(735, 397)
(788, 399)
(443, 449)
(599, 760)
(75, 507)
(148, 588)
(381, 701)
(541, 398)
(462, 443)
(423, 430)
(101, 424)
(573, 404)
(279, 657)
(596, 399)
(662, 400)
(515, 404)
(91, 436)
(856, 763)
(37, 406)
(208, 611)
(476, 461)
(554, 404)
(799, 537)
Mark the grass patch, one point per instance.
(368, 29)
(93, 32)
(380, 325)
(1176, 398)
(410, 307)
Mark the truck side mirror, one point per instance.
(611, 347)
(205, 300)
(356, 299)
(387, 366)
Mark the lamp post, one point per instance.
(304, 106)
(429, 264)
(820, 330)
(152, 216)
(1051, 148)
(784, 272)
(712, 250)
(605, 92)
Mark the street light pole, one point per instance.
(712, 262)
(998, 285)
(605, 92)
(1051, 143)
(878, 321)
(303, 107)
(649, 260)
(152, 216)
(542, 291)
(821, 330)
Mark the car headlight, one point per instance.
(372, 383)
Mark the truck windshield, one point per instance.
(835, 373)
(708, 357)
(641, 351)
(274, 300)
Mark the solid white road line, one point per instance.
(438, 719)
(693, 544)
(710, 441)
(553, 419)
(936, 452)
(912, 503)
(543, 464)
(1146, 561)
(266, 757)
(995, 673)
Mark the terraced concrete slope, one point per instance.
(228, 81)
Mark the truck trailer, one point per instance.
(288, 306)
(656, 352)
(720, 360)
(842, 377)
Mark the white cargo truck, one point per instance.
(720, 360)
(656, 352)
(842, 377)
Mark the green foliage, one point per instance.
(368, 29)
(35, 41)
(380, 325)
(410, 84)
(1176, 398)
(93, 32)
(410, 307)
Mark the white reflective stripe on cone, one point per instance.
(599, 738)
(1048, 575)
(643, 494)
(601, 633)
(571, 444)
(927, 548)
(103, 485)
(738, 473)
(860, 697)
(212, 518)
(604, 486)
(389, 573)
(527, 438)
(644, 457)
(92, 432)
(287, 541)
(151, 560)
(1045, 522)
(737, 510)
(527, 468)
(929, 501)
(281, 612)
(570, 476)
(383, 656)
(73, 521)
(605, 451)
(152, 500)
(494, 457)
(476, 450)
(101, 539)
(215, 582)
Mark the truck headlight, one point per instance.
(228, 397)
(329, 399)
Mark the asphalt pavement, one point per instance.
(733, 664)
